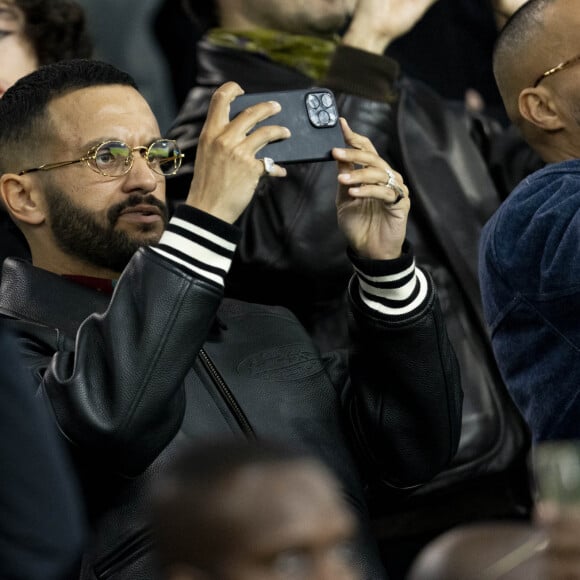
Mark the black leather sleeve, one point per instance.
(404, 398)
(118, 395)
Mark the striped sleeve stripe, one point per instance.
(396, 295)
(399, 301)
(194, 232)
(200, 243)
(190, 266)
(386, 281)
(199, 251)
(195, 261)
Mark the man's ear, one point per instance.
(537, 106)
(20, 198)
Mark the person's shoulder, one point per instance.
(541, 193)
(532, 226)
(550, 179)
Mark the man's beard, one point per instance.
(78, 233)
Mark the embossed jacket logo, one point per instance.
(286, 363)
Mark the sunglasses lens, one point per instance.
(164, 157)
(113, 158)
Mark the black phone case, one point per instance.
(310, 114)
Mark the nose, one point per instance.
(141, 178)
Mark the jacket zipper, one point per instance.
(138, 545)
(227, 395)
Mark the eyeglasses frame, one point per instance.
(92, 155)
(557, 68)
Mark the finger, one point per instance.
(359, 157)
(218, 111)
(247, 119)
(370, 175)
(271, 169)
(256, 140)
(354, 139)
(396, 198)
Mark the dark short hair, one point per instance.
(517, 31)
(24, 105)
(183, 506)
(56, 28)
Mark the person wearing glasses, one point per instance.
(124, 326)
(530, 248)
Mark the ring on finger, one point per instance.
(392, 184)
(268, 163)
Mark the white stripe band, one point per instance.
(420, 298)
(203, 273)
(219, 241)
(400, 293)
(388, 277)
(195, 250)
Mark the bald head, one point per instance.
(543, 36)
(522, 50)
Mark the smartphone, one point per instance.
(310, 114)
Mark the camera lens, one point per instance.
(326, 100)
(323, 118)
(321, 109)
(313, 101)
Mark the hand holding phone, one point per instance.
(310, 114)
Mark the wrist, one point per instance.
(362, 39)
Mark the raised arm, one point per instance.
(405, 397)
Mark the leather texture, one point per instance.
(292, 253)
(126, 387)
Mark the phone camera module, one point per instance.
(321, 109)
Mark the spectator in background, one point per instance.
(42, 526)
(33, 33)
(240, 510)
(37, 32)
(530, 248)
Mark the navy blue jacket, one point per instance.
(530, 284)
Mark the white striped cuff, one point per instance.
(383, 294)
(199, 243)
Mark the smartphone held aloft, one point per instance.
(311, 115)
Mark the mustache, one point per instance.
(133, 200)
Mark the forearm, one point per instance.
(406, 396)
(119, 394)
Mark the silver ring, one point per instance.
(268, 164)
(392, 183)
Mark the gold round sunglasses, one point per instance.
(115, 158)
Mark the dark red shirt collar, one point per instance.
(104, 285)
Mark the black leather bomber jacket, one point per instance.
(130, 378)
